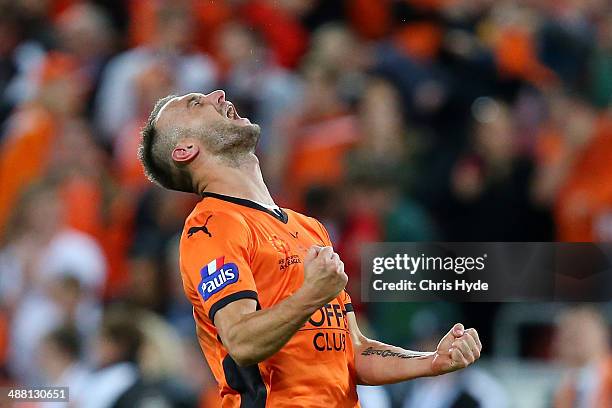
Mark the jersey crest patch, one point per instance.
(215, 276)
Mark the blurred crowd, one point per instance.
(388, 120)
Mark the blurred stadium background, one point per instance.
(389, 120)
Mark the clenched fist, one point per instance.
(458, 349)
(324, 276)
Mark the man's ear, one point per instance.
(185, 152)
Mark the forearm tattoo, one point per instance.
(370, 351)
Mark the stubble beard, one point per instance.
(231, 143)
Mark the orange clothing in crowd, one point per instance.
(127, 165)
(318, 155)
(567, 394)
(108, 219)
(584, 201)
(32, 132)
(234, 249)
(24, 155)
(604, 393)
(209, 17)
(24, 158)
(420, 40)
(516, 57)
(586, 197)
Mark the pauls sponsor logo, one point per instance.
(215, 276)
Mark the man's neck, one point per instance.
(243, 180)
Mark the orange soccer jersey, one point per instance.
(233, 249)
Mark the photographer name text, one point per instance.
(426, 285)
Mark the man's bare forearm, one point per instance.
(257, 335)
(378, 363)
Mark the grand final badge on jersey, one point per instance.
(215, 276)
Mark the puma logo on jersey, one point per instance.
(202, 228)
(215, 276)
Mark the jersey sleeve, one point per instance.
(214, 257)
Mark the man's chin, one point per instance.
(250, 128)
(243, 122)
(255, 127)
(250, 133)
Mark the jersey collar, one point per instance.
(282, 216)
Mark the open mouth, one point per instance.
(230, 112)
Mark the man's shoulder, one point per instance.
(213, 220)
(205, 209)
(302, 218)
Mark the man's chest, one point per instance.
(277, 258)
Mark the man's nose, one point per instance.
(216, 97)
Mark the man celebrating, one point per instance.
(273, 319)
